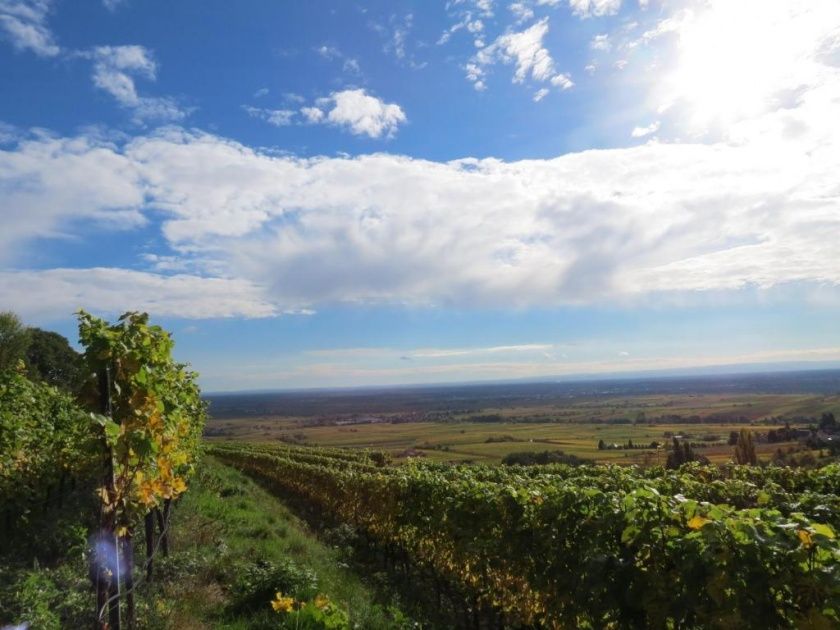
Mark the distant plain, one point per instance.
(484, 424)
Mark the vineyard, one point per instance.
(93, 469)
(587, 547)
(126, 442)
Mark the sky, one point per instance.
(319, 194)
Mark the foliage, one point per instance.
(157, 414)
(14, 339)
(745, 449)
(44, 437)
(50, 358)
(682, 453)
(46, 598)
(591, 546)
(541, 458)
(318, 614)
(258, 581)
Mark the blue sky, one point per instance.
(349, 193)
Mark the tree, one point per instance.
(828, 422)
(745, 449)
(601, 445)
(682, 453)
(51, 359)
(14, 340)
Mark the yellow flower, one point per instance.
(321, 601)
(805, 537)
(697, 522)
(282, 604)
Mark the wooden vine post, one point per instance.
(106, 556)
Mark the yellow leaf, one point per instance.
(178, 485)
(805, 537)
(697, 522)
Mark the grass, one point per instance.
(225, 522)
(233, 545)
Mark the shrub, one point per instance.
(257, 584)
(541, 458)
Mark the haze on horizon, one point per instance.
(332, 194)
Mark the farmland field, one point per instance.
(575, 428)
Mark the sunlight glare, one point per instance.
(734, 60)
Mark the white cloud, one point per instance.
(563, 81)
(352, 66)
(57, 293)
(329, 52)
(114, 69)
(476, 26)
(49, 185)
(276, 117)
(525, 50)
(396, 33)
(440, 353)
(756, 212)
(587, 8)
(540, 94)
(359, 112)
(333, 53)
(24, 24)
(8, 133)
(357, 367)
(600, 42)
(521, 11)
(641, 132)
(261, 92)
(475, 75)
(312, 114)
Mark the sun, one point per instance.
(736, 59)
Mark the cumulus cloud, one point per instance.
(586, 227)
(114, 70)
(358, 112)
(62, 291)
(24, 23)
(49, 185)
